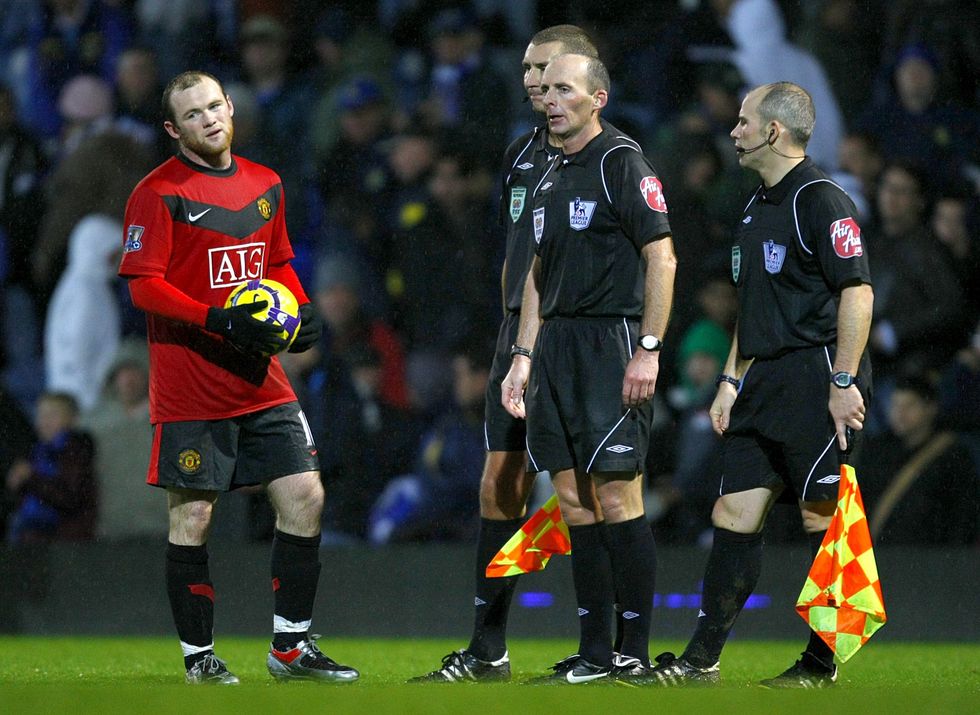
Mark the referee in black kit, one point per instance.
(796, 375)
(601, 282)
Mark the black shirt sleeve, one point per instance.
(636, 194)
(830, 232)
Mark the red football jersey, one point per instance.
(205, 231)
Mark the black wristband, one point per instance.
(516, 349)
(729, 379)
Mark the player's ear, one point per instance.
(231, 107)
(600, 98)
(171, 129)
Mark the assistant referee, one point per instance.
(797, 375)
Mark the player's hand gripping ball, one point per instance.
(281, 309)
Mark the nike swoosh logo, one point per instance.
(194, 217)
(572, 678)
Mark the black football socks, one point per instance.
(493, 595)
(191, 600)
(633, 555)
(295, 574)
(592, 576)
(729, 579)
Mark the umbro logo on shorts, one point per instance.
(583, 611)
(619, 448)
(829, 479)
(630, 615)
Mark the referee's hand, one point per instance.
(640, 380)
(847, 410)
(721, 407)
(512, 388)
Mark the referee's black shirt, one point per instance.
(525, 160)
(594, 211)
(797, 246)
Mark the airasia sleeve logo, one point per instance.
(653, 193)
(846, 236)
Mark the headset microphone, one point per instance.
(767, 142)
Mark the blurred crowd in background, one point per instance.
(387, 122)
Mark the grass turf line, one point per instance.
(144, 675)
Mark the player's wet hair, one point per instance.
(574, 40)
(790, 105)
(184, 80)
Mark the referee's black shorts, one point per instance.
(221, 455)
(781, 432)
(575, 413)
(502, 432)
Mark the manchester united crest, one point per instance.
(265, 208)
(189, 461)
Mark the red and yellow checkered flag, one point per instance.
(841, 599)
(542, 536)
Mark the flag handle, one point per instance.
(849, 441)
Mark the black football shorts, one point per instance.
(221, 455)
(503, 432)
(781, 433)
(574, 400)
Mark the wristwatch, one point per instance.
(650, 343)
(844, 380)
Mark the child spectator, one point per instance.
(55, 487)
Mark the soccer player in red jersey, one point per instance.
(223, 412)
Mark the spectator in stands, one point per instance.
(72, 37)
(763, 55)
(55, 488)
(18, 438)
(284, 101)
(464, 92)
(960, 392)
(343, 50)
(356, 164)
(120, 427)
(860, 166)
(366, 442)
(137, 95)
(911, 123)
(97, 178)
(919, 482)
(82, 330)
(440, 500)
(951, 224)
(22, 165)
(918, 306)
(843, 35)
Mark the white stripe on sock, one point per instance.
(281, 625)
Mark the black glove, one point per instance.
(310, 329)
(246, 333)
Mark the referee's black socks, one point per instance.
(633, 555)
(592, 576)
(493, 595)
(729, 579)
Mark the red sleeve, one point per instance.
(157, 296)
(149, 229)
(284, 273)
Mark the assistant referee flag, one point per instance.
(542, 536)
(841, 599)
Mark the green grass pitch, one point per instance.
(144, 675)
